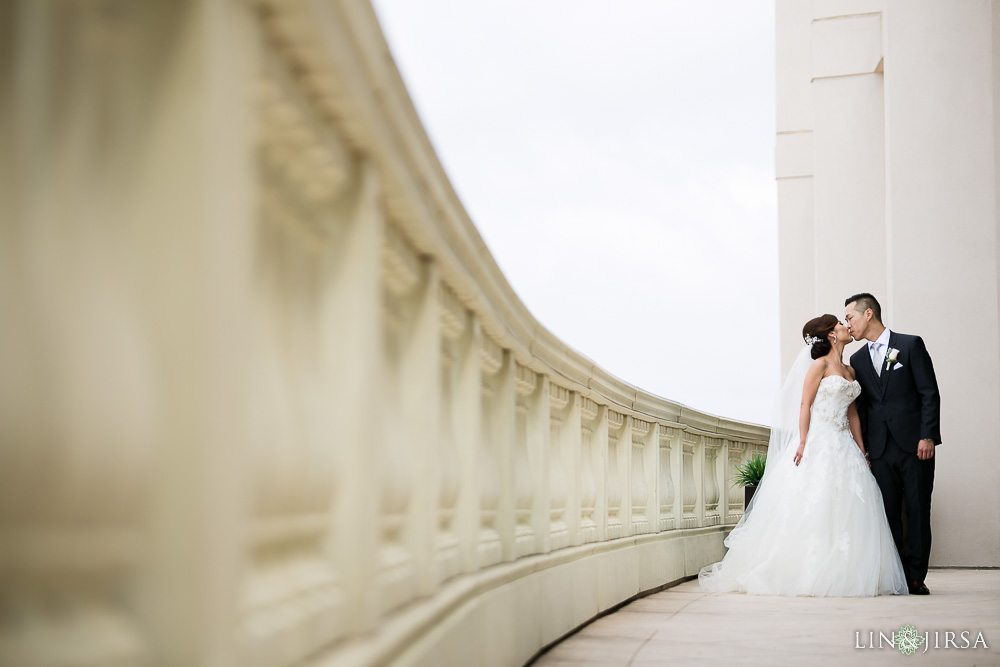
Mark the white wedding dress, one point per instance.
(818, 528)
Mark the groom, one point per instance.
(900, 411)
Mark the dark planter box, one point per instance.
(748, 492)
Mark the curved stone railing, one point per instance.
(266, 397)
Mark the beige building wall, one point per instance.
(886, 164)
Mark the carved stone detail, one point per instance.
(452, 312)
(525, 380)
(558, 396)
(400, 263)
(490, 356)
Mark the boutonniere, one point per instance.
(890, 357)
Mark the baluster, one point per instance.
(559, 399)
(640, 487)
(667, 486)
(689, 491)
(396, 580)
(453, 324)
(358, 313)
(616, 427)
(467, 415)
(292, 597)
(494, 413)
(525, 383)
(588, 462)
(505, 436)
(737, 456)
(711, 480)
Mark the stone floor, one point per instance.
(683, 626)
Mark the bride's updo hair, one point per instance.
(820, 327)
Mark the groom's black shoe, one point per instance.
(917, 587)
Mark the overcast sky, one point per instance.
(618, 160)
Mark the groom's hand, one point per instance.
(925, 450)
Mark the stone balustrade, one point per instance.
(266, 398)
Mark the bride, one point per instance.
(816, 525)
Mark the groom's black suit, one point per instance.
(897, 409)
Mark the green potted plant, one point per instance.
(749, 475)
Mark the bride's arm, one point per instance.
(809, 388)
(855, 423)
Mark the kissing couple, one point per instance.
(851, 446)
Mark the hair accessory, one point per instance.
(810, 340)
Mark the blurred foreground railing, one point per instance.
(265, 397)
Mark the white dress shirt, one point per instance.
(878, 349)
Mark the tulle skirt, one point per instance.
(816, 529)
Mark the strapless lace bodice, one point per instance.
(834, 396)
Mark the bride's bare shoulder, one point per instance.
(852, 372)
(817, 369)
